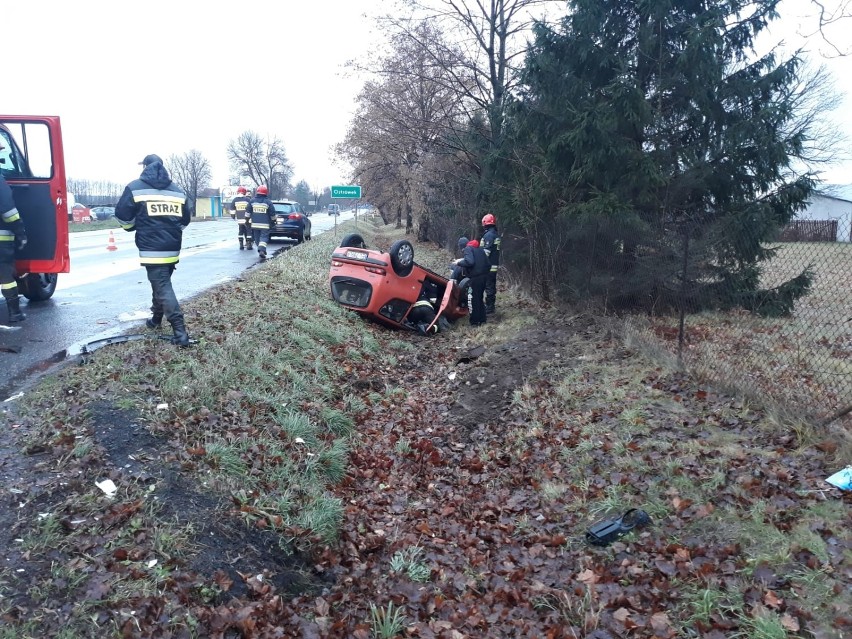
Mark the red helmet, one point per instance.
(262, 190)
(473, 243)
(489, 220)
(241, 190)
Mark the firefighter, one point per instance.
(424, 310)
(422, 314)
(491, 245)
(262, 215)
(474, 265)
(239, 212)
(13, 236)
(157, 209)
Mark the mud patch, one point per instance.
(222, 541)
(489, 377)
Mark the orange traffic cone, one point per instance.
(111, 245)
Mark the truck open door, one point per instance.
(33, 163)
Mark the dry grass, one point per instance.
(802, 362)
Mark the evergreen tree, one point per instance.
(668, 147)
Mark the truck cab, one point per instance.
(33, 163)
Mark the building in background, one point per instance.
(827, 217)
(209, 203)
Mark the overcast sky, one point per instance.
(167, 77)
(128, 79)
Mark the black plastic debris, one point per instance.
(606, 531)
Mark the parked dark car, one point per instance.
(290, 221)
(102, 212)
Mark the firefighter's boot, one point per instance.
(249, 244)
(181, 337)
(155, 320)
(14, 305)
(242, 246)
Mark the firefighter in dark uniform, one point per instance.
(262, 215)
(157, 209)
(424, 310)
(239, 212)
(13, 236)
(422, 314)
(491, 245)
(475, 266)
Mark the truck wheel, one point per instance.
(402, 257)
(353, 240)
(38, 287)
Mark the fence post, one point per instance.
(682, 299)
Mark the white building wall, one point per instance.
(822, 207)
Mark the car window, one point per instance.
(281, 207)
(12, 163)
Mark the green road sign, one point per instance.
(348, 192)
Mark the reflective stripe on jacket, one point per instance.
(239, 208)
(261, 212)
(158, 211)
(11, 225)
(491, 245)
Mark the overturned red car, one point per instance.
(386, 286)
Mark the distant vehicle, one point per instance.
(334, 209)
(101, 213)
(290, 221)
(385, 286)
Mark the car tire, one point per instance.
(38, 287)
(301, 237)
(402, 257)
(353, 240)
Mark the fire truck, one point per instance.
(33, 163)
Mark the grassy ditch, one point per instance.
(300, 472)
(259, 414)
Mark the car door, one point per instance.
(32, 161)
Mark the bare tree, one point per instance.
(402, 119)
(191, 172)
(264, 161)
(94, 192)
(832, 16)
(482, 54)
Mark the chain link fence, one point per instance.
(780, 328)
(801, 359)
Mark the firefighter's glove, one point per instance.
(20, 242)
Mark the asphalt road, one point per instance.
(107, 293)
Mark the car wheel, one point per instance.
(402, 257)
(301, 237)
(38, 287)
(353, 240)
